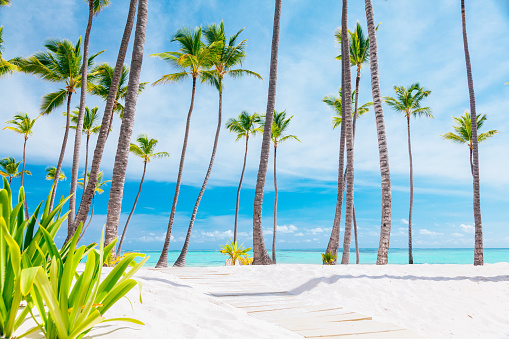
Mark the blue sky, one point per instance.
(417, 42)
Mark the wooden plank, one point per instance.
(343, 328)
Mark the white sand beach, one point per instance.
(434, 301)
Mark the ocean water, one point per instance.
(367, 256)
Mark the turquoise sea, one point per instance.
(367, 256)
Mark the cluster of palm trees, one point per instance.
(208, 55)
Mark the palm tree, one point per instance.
(478, 252)
(89, 192)
(94, 7)
(359, 56)
(336, 104)
(225, 56)
(126, 128)
(90, 127)
(10, 168)
(22, 124)
(60, 64)
(463, 133)
(144, 150)
(103, 76)
(348, 121)
(385, 226)
(5, 2)
(191, 60)
(50, 174)
(6, 66)
(408, 101)
(279, 126)
(260, 254)
(244, 126)
(98, 190)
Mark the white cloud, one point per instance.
(457, 235)
(218, 234)
(300, 234)
(467, 228)
(428, 232)
(317, 230)
(286, 229)
(404, 221)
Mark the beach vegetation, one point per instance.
(235, 252)
(328, 258)
(9, 168)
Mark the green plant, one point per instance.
(75, 302)
(235, 251)
(328, 258)
(21, 247)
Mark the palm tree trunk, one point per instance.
(163, 258)
(348, 121)
(79, 123)
(275, 209)
(471, 162)
(410, 254)
(385, 227)
(126, 128)
(238, 193)
(119, 249)
(357, 82)
(260, 255)
(89, 190)
(62, 151)
(478, 252)
(333, 245)
(181, 260)
(25, 206)
(86, 161)
(357, 259)
(89, 221)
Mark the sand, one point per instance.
(435, 301)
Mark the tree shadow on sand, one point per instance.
(309, 285)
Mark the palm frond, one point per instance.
(53, 100)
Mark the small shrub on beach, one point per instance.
(235, 252)
(328, 258)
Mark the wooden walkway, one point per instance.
(293, 312)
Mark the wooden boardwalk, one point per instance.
(293, 312)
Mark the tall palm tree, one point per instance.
(22, 124)
(5, 2)
(145, 151)
(94, 7)
(89, 192)
(61, 63)
(348, 121)
(408, 101)
(6, 66)
(98, 190)
(103, 79)
(192, 58)
(126, 128)
(10, 168)
(478, 252)
(463, 133)
(279, 126)
(385, 226)
(50, 174)
(260, 254)
(90, 127)
(226, 54)
(244, 126)
(336, 104)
